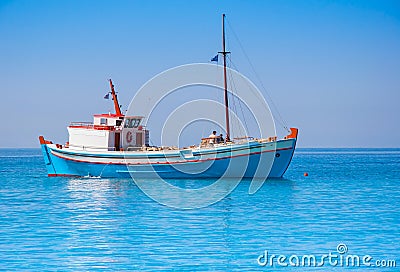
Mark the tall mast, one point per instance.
(115, 99)
(224, 53)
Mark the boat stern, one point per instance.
(284, 153)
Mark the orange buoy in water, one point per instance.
(305, 174)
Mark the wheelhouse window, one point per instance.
(127, 123)
(136, 123)
(103, 121)
(132, 123)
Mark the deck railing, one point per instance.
(89, 125)
(81, 124)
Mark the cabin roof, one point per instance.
(108, 115)
(113, 115)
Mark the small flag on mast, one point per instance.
(107, 96)
(215, 58)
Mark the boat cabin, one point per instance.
(109, 132)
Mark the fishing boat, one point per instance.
(116, 145)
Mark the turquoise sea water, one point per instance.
(351, 198)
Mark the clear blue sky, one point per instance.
(332, 67)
